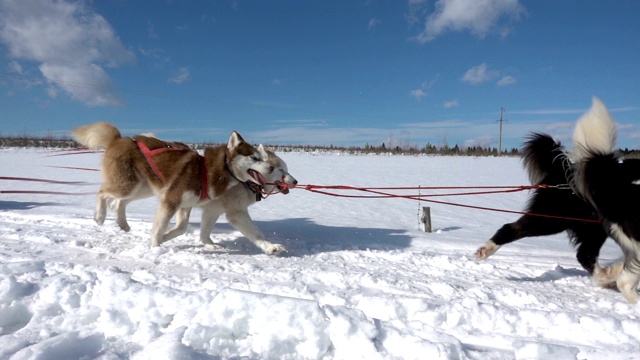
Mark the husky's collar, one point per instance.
(254, 188)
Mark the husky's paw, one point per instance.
(155, 241)
(269, 248)
(487, 250)
(214, 246)
(273, 249)
(99, 219)
(206, 241)
(125, 227)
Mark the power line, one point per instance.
(501, 121)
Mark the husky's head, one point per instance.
(245, 162)
(280, 177)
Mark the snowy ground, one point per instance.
(360, 280)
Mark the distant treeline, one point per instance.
(38, 142)
(428, 149)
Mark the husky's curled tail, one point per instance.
(97, 135)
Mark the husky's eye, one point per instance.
(255, 158)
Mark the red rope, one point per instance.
(372, 190)
(379, 194)
(71, 167)
(43, 180)
(75, 153)
(347, 187)
(12, 178)
(44, 192)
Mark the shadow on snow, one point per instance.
(25, 205)
(552, 275)
(302, 237)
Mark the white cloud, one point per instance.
(450, 104)
(480, 17)
(479, 74)
(506, 80)
(624, 127)
(157, 54)
(559, 126)
(548, 111)
(71, 43)
(151, 30)
(440, 124)
(181, 76)
(52, 92)
(15, 67)
(88, 84)
(418, 93)
(567, 111)
(373, 23)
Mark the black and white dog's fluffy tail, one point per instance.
(545, 160)
(612, 186)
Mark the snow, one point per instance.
(360, 280)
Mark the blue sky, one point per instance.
(320, 72)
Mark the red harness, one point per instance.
(149, 154)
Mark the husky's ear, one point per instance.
(263, 152)
(234, 140)
(151, 135)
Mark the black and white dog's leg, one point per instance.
(630, 275)
(526, 226)
(589, 238)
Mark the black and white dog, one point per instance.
(612, 185)
(552, 210)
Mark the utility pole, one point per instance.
(501, 121)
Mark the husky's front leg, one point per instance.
(120, 206)
(182, 223)
(243, 223)
(163, 215)
(210, 215)
(101, 207)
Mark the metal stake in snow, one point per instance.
(426, 218)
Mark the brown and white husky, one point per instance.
(235, 203)
(141, 166)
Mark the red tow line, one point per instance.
(379, 194)
(13, 178)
